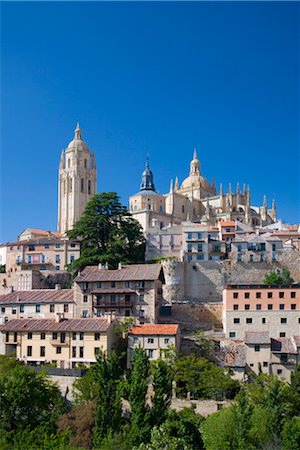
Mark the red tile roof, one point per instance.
(228, 223)
(133, 272)
(19, 325)
(154, 329)
(38, 296)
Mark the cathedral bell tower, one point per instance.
(77, 181)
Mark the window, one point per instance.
(199, 247)
(3, 309)
(37, 308)
(239, 257)
(113, 284)
(142, 298)
(58, 350)
(80, 352)
(258, 307)
(235, 295)
(270, 306)
(265, 364)
(182, 208)
(189, 248)
(167, 340)
(85, 298)
(56, 268)
(150, 341)
(279, 371)
(150, 353)
(236, 320)
(97, 336)
(97, 351)
(99, 285)
(257, 348)
(247, 295)
(82, 185)
(21, 308)
(14, 310)
(85, 163)
(270, 294)
(54, 336)
(73, 245)
(127, 298)
(89, 187)
(127, 284)
(231, 334)
(293, 306)
(57, 245)
(113, 298)
(31, 247)
(57, 258)
(15, 336)
(251, 258)
(7, 337)
(42, 351)
(47, 245)
(283, 320)
(73, 352)
(282, 334)
(66, 308)
(235, 307)
(247, 307)
(43, 336)
(293, 294)
(200, 236)
(281, 306)
(81, 336)
(52, 308)
(141, 314)
(62, 338)
(127, 312)
(29, 350)
(200, 257)
(258, 294)
(263, 320)
(248, 320)
(281, 294)
(74, 336)
(85, 313)
(70, 185)
(29, 335)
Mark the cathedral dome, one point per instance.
(195, 181)
(77, 143)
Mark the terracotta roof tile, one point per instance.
(38, 296)
(52, 325)
(154, 329)
(228, 223)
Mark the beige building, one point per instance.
(66, 343)
(38, 303)
(129, 291)
(261, 308)
(77, 181)
(201, 243)
(196, 200)
(255, 248)
(155, 339)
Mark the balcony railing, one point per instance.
(109, 304)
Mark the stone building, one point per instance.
(130, 291)
(196, 200)
(77, 181)
(255, 248)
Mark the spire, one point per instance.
(195, 165)
(244, 189)
(176, 184)
(229, 189)
(238, 188)
(265, 201)
(77, 132)
(147, 179)
(221, 189)
(171, 186)
(62, 160)
(273, 204)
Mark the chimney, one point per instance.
(57, 286)
(106, 265)
(11, 289)
(57, 317)
(119, 266)
(100, 267)
(109, 316)
(18, 298)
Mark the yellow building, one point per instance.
(66, 342)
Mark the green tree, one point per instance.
(85, 389)
(291, 434)
(161, 440)
(242, 412)
(162, 385)
(108, 233)
(108, 408)
(27, 398)
(277, 277)
(185, 425)
(138, 386)
(218, 431)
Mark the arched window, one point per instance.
(85, 163)
(89, 187)
(82, 185)
(69, 163)
(70, 185)
(64, 187)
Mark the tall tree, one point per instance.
(140, 416)
(108, 233)
(108, 408)
(162, 385)
(242, 411)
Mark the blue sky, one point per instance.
(148, 78)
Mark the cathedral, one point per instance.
(195, 200)
(77, 181)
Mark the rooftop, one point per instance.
(154, 329)
(262, 286)
(18, 325)
(256, 337)
(38, 296)
(134, 272)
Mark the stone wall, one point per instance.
(193, 316)
(33, 279)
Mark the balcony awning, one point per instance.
(114, 291)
